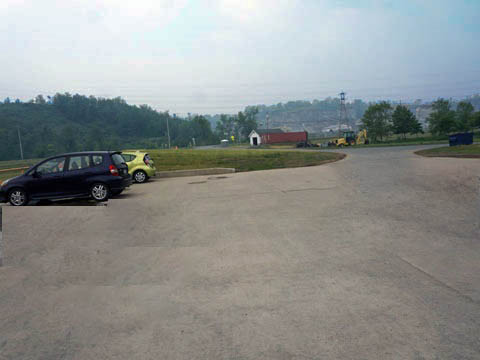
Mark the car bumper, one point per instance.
(127, 182)
(121, 184)
(151, 172)
(3, 196)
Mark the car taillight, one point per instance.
(145, 160)
(113, 170)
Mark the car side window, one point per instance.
(51, 166)
(97, 160)
(79, 162)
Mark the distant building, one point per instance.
(422, 112)
(275, 136)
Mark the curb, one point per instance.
(194, 172)
(446, 155)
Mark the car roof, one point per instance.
(98, 152)
(88, 153)
(80, 153)
(134, 152)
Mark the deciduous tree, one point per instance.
(377, 120)
(403, 121)
(464, 116)
(442, 120)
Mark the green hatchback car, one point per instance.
(140, 165)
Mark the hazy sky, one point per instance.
(212, 56)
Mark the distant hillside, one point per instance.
(76, 123)
(313, 116)
(319, 115)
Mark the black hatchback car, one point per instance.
(96, 174)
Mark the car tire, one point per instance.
(99, 192)
(140, 176)
(18, 197)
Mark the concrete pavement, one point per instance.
(372, 257)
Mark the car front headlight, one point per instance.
(5, 182)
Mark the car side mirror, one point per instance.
(37, 174)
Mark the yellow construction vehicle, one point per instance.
(349, 139)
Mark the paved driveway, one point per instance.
(373, 257)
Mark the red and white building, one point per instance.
(276, 136)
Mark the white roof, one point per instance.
(252, 133)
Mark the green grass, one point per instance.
(466, 151)
(17, 163)
(241, 160)
(11, 164)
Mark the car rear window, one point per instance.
(128, 157)
(147, 157)
(118, 159)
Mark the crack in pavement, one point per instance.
(439, 282)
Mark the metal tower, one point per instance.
(343, 113)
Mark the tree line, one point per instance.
(382, 119)
(65, 123)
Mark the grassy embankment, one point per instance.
(12, 164)
(463, 151)
(241, 160)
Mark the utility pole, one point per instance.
(20, 142)
(343, 113)
(267, 118)
(168, 129)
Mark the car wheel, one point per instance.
(99, 192)
(18, 197)
(140, 176)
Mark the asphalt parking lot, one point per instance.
(373, 257)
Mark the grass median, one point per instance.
(462, 151)
(241, 160)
